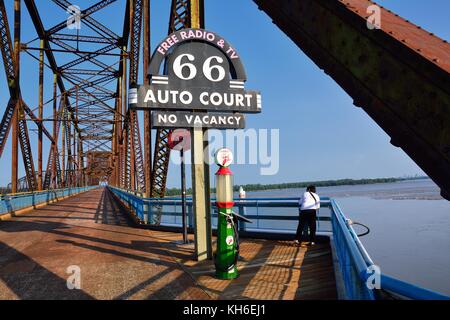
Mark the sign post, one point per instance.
(183, 197)
(200, 169)
(181, 140)
(203, 87)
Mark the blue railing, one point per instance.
(13, 203)
(259, 210)
(357, 268)
(354, 263)
(351, 261)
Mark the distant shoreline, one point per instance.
(297, 185)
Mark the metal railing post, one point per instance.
(242, 225)
(190, 216)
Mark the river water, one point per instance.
(409, 227)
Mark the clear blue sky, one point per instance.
(322, 135)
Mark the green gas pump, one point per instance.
(227, 253)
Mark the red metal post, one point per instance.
(41, 113)
(124, 112)
(63, 142)
(15, 122)
(147, 113)
(55, 142)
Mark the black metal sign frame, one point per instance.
(204, 72)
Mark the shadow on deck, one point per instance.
(270, 270)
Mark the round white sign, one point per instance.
(180, 139)
(224, 157)
(229, 240)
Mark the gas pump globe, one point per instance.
(226, 255)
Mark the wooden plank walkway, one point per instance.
(271, 270)
(119, 261)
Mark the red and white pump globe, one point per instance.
(224, 157)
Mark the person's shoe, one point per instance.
(296, 242)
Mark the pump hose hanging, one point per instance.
(362, 225)
(230, 220)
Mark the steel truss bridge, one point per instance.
(399, 75)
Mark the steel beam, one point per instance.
(7, 120)
(9, 58)
(179, 19)
(136, 163)
(6, 45)
(398, 74)
(35, 17)
(15, 119)
(41, 115)
(147, 113)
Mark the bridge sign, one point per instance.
(180, 119)
(203, 72)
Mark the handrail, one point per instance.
(408, 290)
(361, 257)
(139, 194)
(142, 208)
(356, 254)
(247, 202)
(28, 193)
(12, 203)
(325, 201)
(352, 265)
(363, 262)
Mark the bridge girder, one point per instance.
(398, 74)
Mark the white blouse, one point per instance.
(309, 201)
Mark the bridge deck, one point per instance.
(118, 261)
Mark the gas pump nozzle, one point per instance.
(241, 218)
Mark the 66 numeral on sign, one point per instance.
(208, 68)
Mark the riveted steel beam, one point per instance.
(179, 19)
(13, 84)
(398, 74)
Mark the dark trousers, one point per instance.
(307, 217)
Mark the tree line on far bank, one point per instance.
(296, 185)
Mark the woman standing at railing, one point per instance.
(308, 204)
